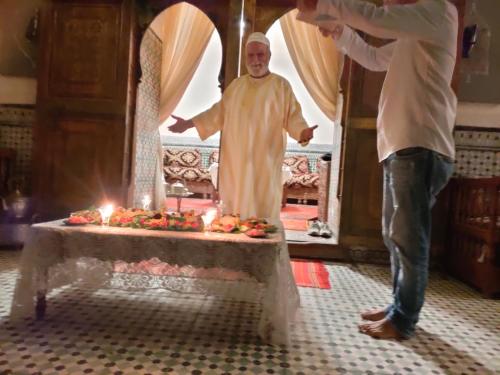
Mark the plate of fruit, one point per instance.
(92, 216)
(255, 223)
(256, 233)
(76, 220)
(226, 224)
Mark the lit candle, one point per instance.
(208, 218)
(106, 212)
(146, 201)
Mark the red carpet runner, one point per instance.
(312, 274)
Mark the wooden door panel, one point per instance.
(367, 86)
(85, 62)
(84, 153)
(85, 104)
(362, 205)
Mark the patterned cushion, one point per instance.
(303, 180)
(186, 174)
(214, 157)
(185, 157)
(297, 163)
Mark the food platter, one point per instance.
(73, 222)
(256, 233)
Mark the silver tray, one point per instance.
(182, 195)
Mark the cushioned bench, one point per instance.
(185, 165)
(303, 185)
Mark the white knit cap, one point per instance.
(259, 38)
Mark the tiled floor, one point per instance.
(116, 332)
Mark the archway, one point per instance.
(167, 70)
(146, 157)
(315, 82)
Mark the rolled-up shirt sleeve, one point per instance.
(372, 58)
(420, 20)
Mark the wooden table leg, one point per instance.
(41, 305)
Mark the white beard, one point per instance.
(257, 71)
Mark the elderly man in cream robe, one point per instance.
(254, 116)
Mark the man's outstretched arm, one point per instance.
(306, 135)
(421, 20)
(180, 125)
(351, 44)
(207, 123)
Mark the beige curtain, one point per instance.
(185, 32)
(316, 60)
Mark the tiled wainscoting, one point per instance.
(478, 152)
(16, 132)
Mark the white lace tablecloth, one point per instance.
(56, 255)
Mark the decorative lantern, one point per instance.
(18, 205)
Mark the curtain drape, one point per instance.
(317, 61)
(185, 32)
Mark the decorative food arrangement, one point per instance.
(252, 227)
(92, 216)
(76, 220)
(140, 218)
(187, 221)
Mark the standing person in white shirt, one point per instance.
(415, 142)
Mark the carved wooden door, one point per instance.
(85, 105)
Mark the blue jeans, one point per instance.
(412, 179)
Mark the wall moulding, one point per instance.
(482, 115)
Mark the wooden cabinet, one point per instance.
(84, 106)
(473, 249)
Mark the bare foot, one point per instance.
(374, 314)
(382, 329)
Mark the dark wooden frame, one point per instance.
(473, 251)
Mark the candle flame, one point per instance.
(146, 201)
(106, 212)
(209, 216)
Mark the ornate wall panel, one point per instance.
(147, 136)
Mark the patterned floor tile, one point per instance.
(118, 332)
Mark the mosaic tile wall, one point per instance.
(478, 153)
(333, 201)
(147, 136)
(16, 125)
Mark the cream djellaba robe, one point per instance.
(254, 116)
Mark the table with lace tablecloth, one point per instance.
(56, 255)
